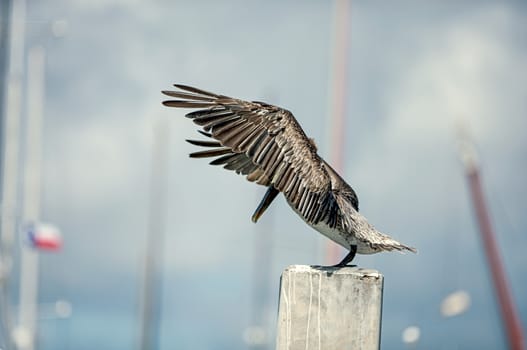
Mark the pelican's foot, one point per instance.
(348, 258)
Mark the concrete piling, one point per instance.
(329, 308)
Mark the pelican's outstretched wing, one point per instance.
(263, 142)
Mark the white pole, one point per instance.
(150, 303)
(10, 151)
(12, 113)
(27, 312)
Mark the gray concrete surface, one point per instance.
(328, 308)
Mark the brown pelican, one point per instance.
(266, 144)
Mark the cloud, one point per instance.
(455, 77)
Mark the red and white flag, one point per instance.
(44, 236)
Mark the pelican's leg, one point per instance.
(348, 258)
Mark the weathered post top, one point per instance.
(329, 308)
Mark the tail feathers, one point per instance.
(382, 242)
(402, 248)
(390, 244)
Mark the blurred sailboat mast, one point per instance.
(11, 113)
(338, 103)
(151, 286)
(25, 333)
(508, 309)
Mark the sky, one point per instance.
(415, 71)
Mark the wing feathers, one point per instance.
(228, 135)
(204, 143)
(210, 153)
(239, 137)
(205, 133)
(252, 141)
(223, 159)
(196, 90)
(179, 94)
(261, 141)
(213, 118)
(186, 104)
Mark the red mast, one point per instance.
(509, 314)
(339, 85)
